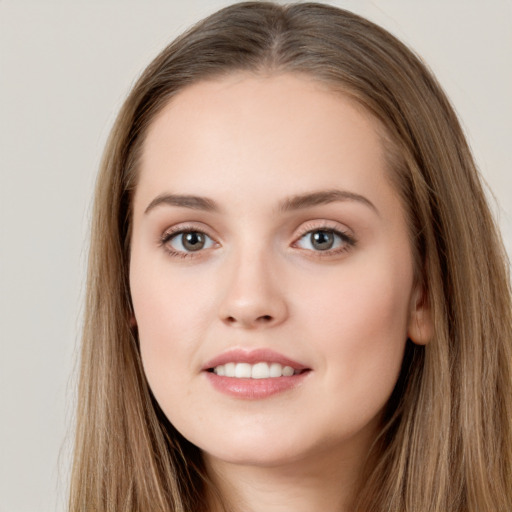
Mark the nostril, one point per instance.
(251, 321)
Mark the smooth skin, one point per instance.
(326, 280)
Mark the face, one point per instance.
(271, 270)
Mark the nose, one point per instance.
(253, 297)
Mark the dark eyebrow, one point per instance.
(323, 197)
(184, 201)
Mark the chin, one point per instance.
(255, 456)
(262, 449)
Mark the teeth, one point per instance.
(254, 371)
(276, 370)
(242, 370)
(260, 371)
(229, 369)
(288, 371)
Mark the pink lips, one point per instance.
(254, 389)
(252, 357)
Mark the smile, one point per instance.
(254, 374)
(261, 370)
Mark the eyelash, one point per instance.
(180, 230)
(348, 240)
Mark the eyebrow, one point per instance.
(183, 201)
(297, 202)
(302, 201)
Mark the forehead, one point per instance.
(282, 132)
(273, 102)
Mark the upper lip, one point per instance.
(252, 357)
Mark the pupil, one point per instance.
(193, 241)
(322, 240)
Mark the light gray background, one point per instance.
(65, 67)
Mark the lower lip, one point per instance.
(255, 389)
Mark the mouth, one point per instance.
(254, 374)
(260, 370)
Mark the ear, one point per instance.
(420, 329)
(132, 321)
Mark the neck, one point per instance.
(324, 481)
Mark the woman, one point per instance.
(297, 296)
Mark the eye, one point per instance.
(188, 241)
(324, 240)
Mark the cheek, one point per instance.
(359, 323)
(166, 300)
(366, 297)
(170, 311)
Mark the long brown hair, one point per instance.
(446, 443)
